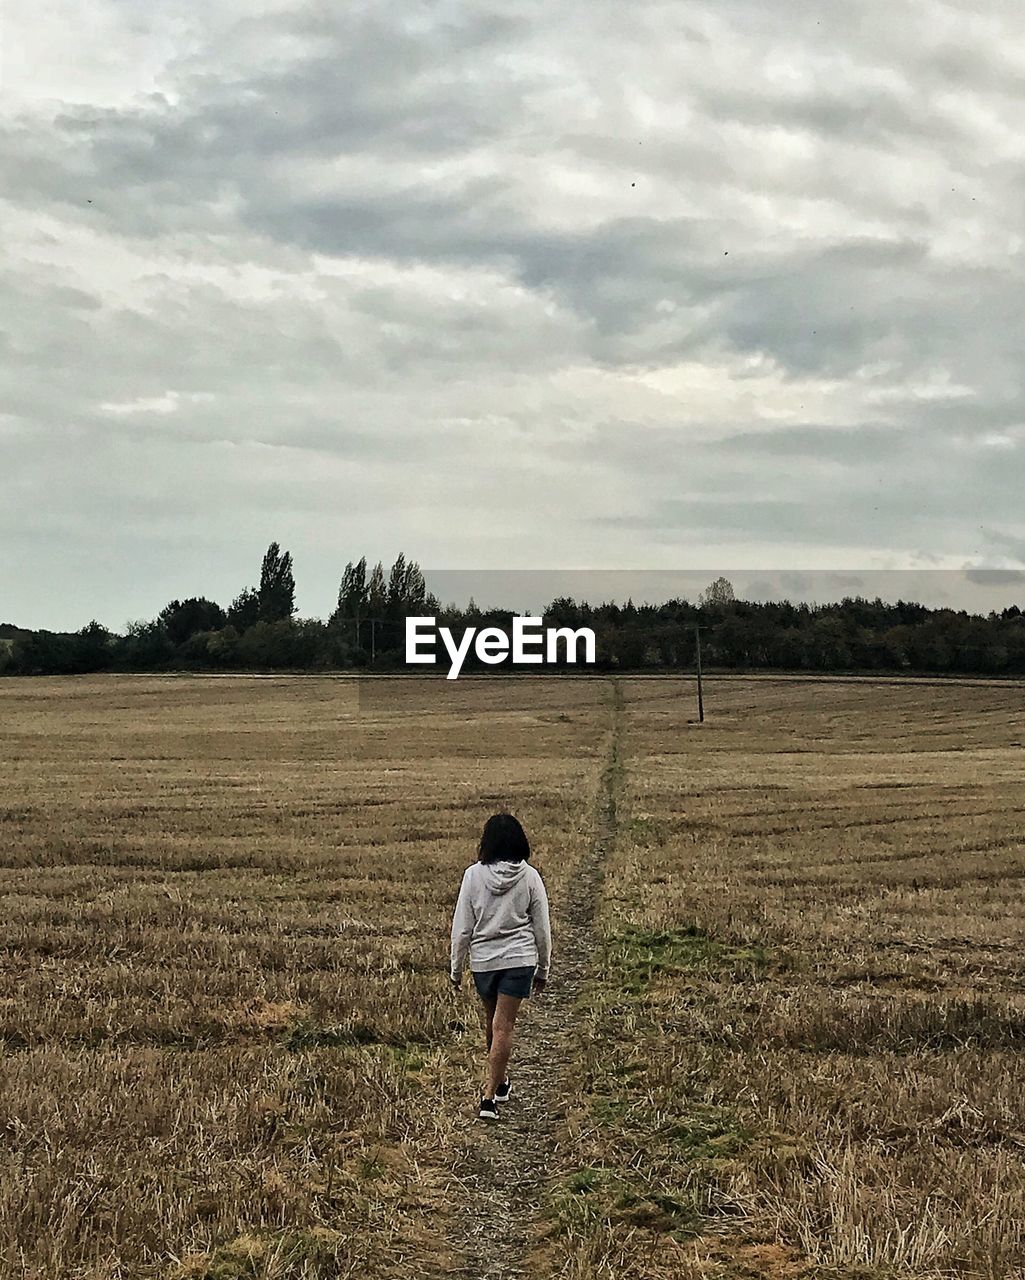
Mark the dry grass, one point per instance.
(223, 997)
(815, 994)
(224, 994)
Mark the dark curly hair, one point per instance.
(503, 840)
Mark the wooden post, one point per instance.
(701, 700)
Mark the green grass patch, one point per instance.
(256, 1255)
(582, 1181)
(636, 956)
(593, 1196)
(662, 1152)
(657, 1150)
(587, 1197)
(698, 1133)
(705, 1133)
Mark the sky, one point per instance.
(517, 286)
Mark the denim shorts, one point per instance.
(504, 982)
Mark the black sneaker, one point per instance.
(504, 1091)
(488, 1109)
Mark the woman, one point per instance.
(501, 920)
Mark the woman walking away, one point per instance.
(501, 920)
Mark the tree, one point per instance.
(146, 645)
(717, 595)
(397, 587)
(92, 648)
(183, 619)
(352, 593)
(377, 592)
(277, 585)
(267, 644)
(49, 653)
(627, 647)
(828, 646)
(416, 597)
(562, 612)
(244, 610)
(222, 646)
(40, 653)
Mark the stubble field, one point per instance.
(791, 1045)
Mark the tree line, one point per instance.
(259, 630)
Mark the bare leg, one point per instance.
(501, 1041)
(489, 1019)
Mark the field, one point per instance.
(782, 1040)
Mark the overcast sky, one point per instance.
(531, 285)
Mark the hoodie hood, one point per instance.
(500, 877)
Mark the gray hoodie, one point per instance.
(501, 919)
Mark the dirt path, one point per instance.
(503, 1181)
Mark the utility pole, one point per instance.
(701, 701)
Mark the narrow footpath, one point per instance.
(503, 1180)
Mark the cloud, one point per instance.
(996, 577)
(506, 285)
